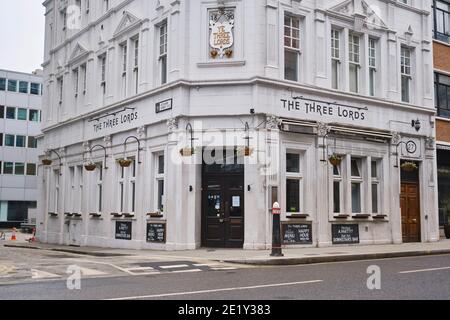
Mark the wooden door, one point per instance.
(410, 207)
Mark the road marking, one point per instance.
(424, 270)
(91, 272)
(187, 271)
(174, 266)
(140, 269)
(38, 274)
(216, 290)
(223, 268)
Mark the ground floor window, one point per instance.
(159, 181)
(294, 181)
(443, 159)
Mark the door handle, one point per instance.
(414, 220)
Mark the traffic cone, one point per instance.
(13, 236)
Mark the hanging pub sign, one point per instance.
(297, 233)
(345, 233)
(164, 105)
(123, 230)
(221, 38)
(324, 109)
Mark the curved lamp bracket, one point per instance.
(139, 146)
(105, 156)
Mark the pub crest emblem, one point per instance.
(221, 25)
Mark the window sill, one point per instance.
(361, 216)
(116, 215)
(220, 64)
(297, 216)
(53, 214)
(95, 215)
(342, 216)
(68, 214)
(380, 217)
(128, 215)
(155, 215)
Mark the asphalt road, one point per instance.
(403, 278)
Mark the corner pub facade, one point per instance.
(221, 108)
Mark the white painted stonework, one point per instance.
(216, 96)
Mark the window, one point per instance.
(84, 77)
(76, 79)
(442, 87)
(2, 112)
(23, 87)
(1, 139)
(375, 168)
(159, 183)
(335, 58)
(293, 182)
(10, 113)
(133, 186)
(2, 84)
(163, 52)
(8, 168)
(406, 73)
(22, 114)
(356, 182)
(337, 189)
(441, 26)
(12, 85)
(55, 195)
(124, 63)
(80, 196)
(103, 72)
(32, 142)
(60, 82)
(19, 169)
(100, 188)
(121, 189)
(35, 88)
(9, 140)
(372, 65)
(20, 141)
(31, 169)
(34, 115)
(136, 65)
(291, 48)
(354, 62)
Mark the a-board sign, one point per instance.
(123, 230)
(345, 233)
(156, 232)
(297, 233)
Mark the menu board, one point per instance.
(123, 230)
(297, 233)
(345, 233)
(156, 232)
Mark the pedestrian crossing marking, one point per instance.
(39, 274)
(91, 272)
(177, 266)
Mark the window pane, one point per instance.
(405, 89)
(291, 65)
(32, 142)
(372, 82)
(335, 74)
(2, 84)
(336, 170)
(20, 141)
(9, 140)
(337, 197)
(21, 114)
(31, 169)
(374, 198)
(19, 169)
(355, 168)
(353, 78)
(160, 164)
(293, 162)
(374, 169)
(10, 113)
(293, 196)
(161, 195)
(12, 85)
(23, 87)
(356, 198)
(34, 115)
(8, 168)
(2, 112)
(34, 88)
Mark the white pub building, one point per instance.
(176, 124)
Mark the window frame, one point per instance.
(295, 176)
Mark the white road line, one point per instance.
(424, 270)
(187, 271)
(140, 269)
(39, 274)
(216, 290)
(223, 268)
(176, 266)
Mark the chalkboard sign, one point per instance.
(123, 230)
(345, 233)
(156, 232)
(297, 233)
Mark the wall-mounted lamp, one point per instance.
(90, 165)
(187, 152)
(416, 124)
(191, 188)
(125, 163)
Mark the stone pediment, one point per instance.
(128, 21)
(78, 52)
(361, 10)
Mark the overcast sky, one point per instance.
(21, 35)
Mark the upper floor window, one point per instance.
(354, 62)
(35, 88)
(291, 48)
(23, 87)
(441, 27)
(2, 84)
(335, 58)
(372, 65)
(136, 65)
(442, 87)
(163, 52)
(406, 75)
(60, 82)
(102, 61)
(12, 85)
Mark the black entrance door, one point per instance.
(223, 206)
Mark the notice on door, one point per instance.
(236, 201)
(123, 230)
(345, 233)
